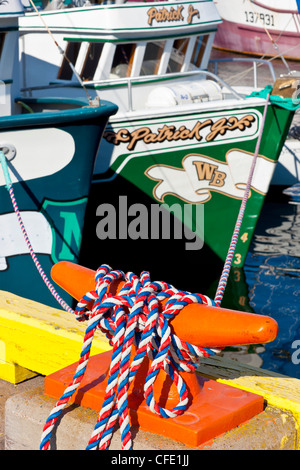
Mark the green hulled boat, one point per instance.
(182, 138)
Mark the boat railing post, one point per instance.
(255, 74)
(129, 94)
(216, 67)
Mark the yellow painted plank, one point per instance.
(280, 391)
(40, 338)
(11, 372)
(14, 374)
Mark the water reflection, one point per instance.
(272, 274)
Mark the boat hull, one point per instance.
(196, 167)
(264, 28)
(244, 39)
(51, 176)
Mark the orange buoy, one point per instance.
(198, 324)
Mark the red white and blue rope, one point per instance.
(228, 262)
(133, 317)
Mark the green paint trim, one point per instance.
(13, 14)
(140, 39)
(112, 31)
(74, 101)
(156, 79)
(117, 85)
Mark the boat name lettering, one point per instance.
(192, 12)
(171, 133)
(164, 15)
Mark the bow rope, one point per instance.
(9, 187)
(132, 317)
(234, 239)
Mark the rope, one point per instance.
(226, 269)
(133, 317)
(42, 273)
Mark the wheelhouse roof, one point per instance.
(115, 20)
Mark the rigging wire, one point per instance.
(61, 51)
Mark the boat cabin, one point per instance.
(10, 11)
(168, 45)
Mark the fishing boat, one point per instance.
(47, 150)
(182, 140)
(261, 27)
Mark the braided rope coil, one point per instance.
(133, 317)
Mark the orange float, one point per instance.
(197, 324)
(214, 407)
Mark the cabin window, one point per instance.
(199, 49)
(177, 55)
(91, 60)
(123, 59)
(72, 51)
(152, 57)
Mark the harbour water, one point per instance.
(271, 278)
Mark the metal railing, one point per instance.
(131, 81)
(256, 63)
